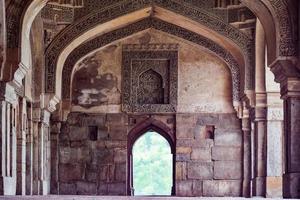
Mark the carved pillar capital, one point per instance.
(49, 102)
(288, 75)
(20, 74)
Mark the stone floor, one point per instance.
(53, 197)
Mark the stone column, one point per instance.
(274, 137)
(246, 127)
(29, 153)
(9, 104)
(274, 145)
(259, 182)
(41, 169)
(44, 139)
(287, 74)
(55, 131)
(35, 152)
(21, 148)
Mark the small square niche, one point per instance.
(93, 133)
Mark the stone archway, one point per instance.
(138, 131)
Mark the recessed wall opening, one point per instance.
(152, 165)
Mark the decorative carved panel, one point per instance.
(127, 6)
(157, 24)
(150, 88)
(150, 78)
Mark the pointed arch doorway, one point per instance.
(151, 160)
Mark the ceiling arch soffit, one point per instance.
(141, 25)
(106, 14)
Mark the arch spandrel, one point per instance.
(141, 25)
(214, 24)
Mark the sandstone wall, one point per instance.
(89, 165)
(204, 80)
(208, 153)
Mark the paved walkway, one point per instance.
(53, 197)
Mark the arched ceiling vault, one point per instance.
(238, 43)
(146, 23)
(277, 16)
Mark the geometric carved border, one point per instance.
(141, 25)
(137, 52)
(127, 6)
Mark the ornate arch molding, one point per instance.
(285, 35)
(178, 6)
(14, 12)
(288, 37)
(144, 24)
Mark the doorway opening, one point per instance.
(151, 160)
(152, 165)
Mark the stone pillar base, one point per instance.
(291, 185)
(246, 188)
(259, 186)
(274, 187)
(8, 186)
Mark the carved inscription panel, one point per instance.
(150, 78)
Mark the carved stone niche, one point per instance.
(150, 78)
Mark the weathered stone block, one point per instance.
(217, 188)
(116, 118)
(117, 132)
(183, 150)
(120, 172)
(274, 187)
(102, 132)
(194, 143)
(226, 153)
(74, 155)
(115, 144)
(117, 188)
(93, 120)
(111, 172)
(64, 155)
(197, 170)
(120, 155)
(78, 144)
(102, 188)
(229, 121)
(103, 174)
(184, 188)
(86, 188)
(291, 185)
(184, 131)
(70, 172)
(186, 119)
(201, 154)
(181, 171)
(207, 119)
(229, 170)
(67, 189)
(228, 138)
(78, 133)
(183, 157)
(102, 156)
(91, 174)
(197, 188)
(199, 132)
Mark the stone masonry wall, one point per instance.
(89, 165)
(209, 155)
